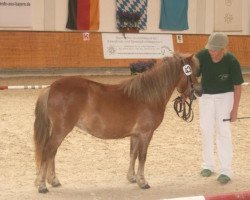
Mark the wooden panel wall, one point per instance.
(67, 49)
(238, 45)
(53, 49)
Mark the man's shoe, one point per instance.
(223, 179)
(206, 172)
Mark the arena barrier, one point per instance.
(230, 196)
(21, 87)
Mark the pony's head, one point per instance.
(188, 84)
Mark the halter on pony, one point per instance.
(183, 107)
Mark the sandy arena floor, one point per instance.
(95, 169)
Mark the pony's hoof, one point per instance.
(147, 186)
(131, 179)
(56, 184)
(43, 190)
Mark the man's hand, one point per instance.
(233, 115)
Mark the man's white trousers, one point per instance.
(213, 109)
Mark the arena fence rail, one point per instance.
(21, 87)
(230, 196)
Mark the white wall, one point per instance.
(61, 14)
(51, 15)
(209, 20)
(38, 15)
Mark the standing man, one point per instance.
(221, 80)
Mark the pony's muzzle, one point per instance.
(198, 90)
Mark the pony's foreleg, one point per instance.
(134, 143)
(144, 140)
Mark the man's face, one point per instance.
(216, 55)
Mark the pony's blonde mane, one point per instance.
(157, 83)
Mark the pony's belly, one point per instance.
(81, 126)
(111, 131)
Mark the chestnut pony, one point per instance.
(137, 105)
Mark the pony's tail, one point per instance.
(42, 127)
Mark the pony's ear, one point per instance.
(190, 57)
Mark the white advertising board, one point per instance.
(134, 46)
(15, 13)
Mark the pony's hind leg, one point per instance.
(40, 180)
(50, 150)
(134, 143)
(51, 174)
(144, 140)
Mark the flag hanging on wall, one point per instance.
(228, 15)
(83, 15)
(174, 15)
(131, 13)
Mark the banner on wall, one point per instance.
(116, 46)
(15, 13)
(174, 15)
(83, 15)
(228, 15)
(130, 10)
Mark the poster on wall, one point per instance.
(118, 46)
(228, 15)
(15, 13)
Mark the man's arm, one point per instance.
(237, 95)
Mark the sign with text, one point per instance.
(119, 46)
(15, 13)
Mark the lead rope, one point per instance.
(183, 108)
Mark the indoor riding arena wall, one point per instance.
(31, 49)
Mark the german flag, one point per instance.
(83, 15)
